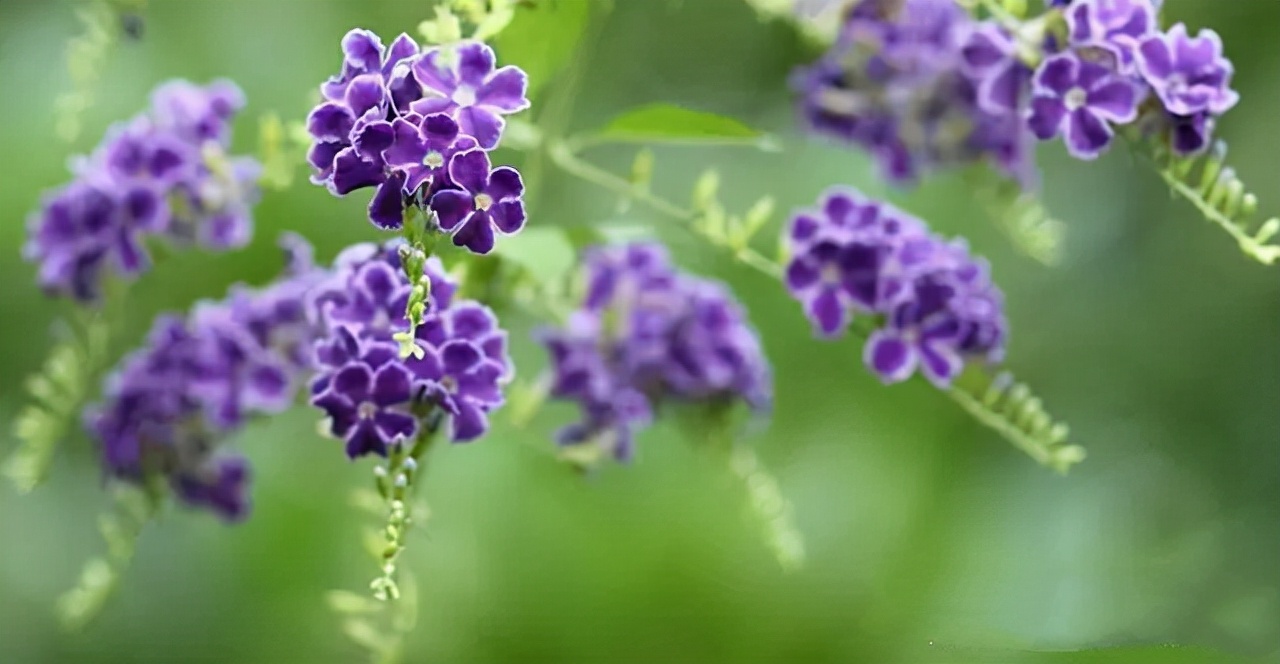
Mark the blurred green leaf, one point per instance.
(666, 123)
(541, 38)
(544, 252)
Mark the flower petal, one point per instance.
(475, 62)
(889, 356)
(470, 170)
(505, 184)
(476, 233)
(482, 124)
(452, 208)
(827, 312)
(391, 385)
(505, 90)
(386, 208)
(1086, 134)
(469, 423)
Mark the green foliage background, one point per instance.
(930, 539)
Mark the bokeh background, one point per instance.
(930, 539)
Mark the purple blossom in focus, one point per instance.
(1079, 100)
(936, 305)
(397, 118)
(196, 381)
(374, 398)
(471, 89)
(645, 335)
(164, 173)
(487, 200)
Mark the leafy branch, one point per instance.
(133, 509)
(58, 391)
(1213, 187)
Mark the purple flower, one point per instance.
(1116, 25)
(196, 380)
(464, 382)
(163, 173)
(646, 335)
(1189, 74)
(487, 199)
(367, 400)
(373, 396)
(220, 486)
(471, 90)
(937, 306)
(989, 57)
(1190, 134)
(1079, 100)
(920, 86)
(423, 150)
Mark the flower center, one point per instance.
(366, 410)
(1075, 98)
(831, 273)
(449, 383)
(484, 201)
(433, 159)
(464, 96)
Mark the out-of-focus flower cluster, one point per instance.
(934, 305)
(418, 126)
(375, 398)
(196, 380)
(164, 173)
(647, 334)
(920, 83)
(894, 84)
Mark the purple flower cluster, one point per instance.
(896, 83)
(373, 397)
(418, 125)
(934, 304)
(644, 334)
(1114, 67)
(196, 381)
(164, 173)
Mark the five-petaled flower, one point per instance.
(1079, 99)
(471, 89)
(487, 199)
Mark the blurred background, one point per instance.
(930, 538)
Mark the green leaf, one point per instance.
(541, 38)
(544, 252)
(1013, 411)
(666, 123)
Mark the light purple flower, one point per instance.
(471, 89)
(1079, 100)
(1189, 74)
(989, 57)
(1116, 25)
(422, 151)
(488, 199)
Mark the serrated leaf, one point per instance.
(544, 252)
(542, 37)
(667, 123)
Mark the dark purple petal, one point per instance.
(407, 147)
(469, 423)
(1057, 74)
(452, 208)
(330, 122)
(940, 363)
(505, 184)
(481, 124)
(362, 50)
(476, 233)
(475, 63)
(353, 382)
(1116, 101)
(433, 75)
(391, 385)
(889, 356)
(1046, 117)
(458, 357)
(393, 426)
(470, 170)
(403, 48)
(827, 312)
(505, 90)
(373, 138)
(350, 173)
(365, 93)
(386, 208)
(1086, 134)
(364, 438)
(802, 275)
(508, 216)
